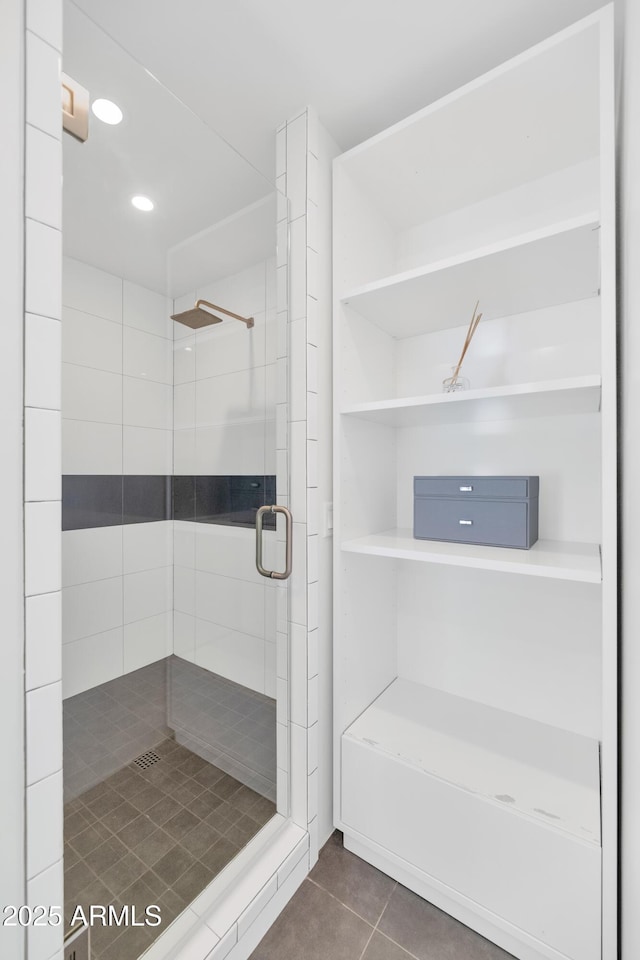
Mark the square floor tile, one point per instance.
(173, 864)
(430, 934)
(355, 883)
(314, 926)
(380, 948)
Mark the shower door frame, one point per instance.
(232, 914)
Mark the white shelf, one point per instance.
(556, 265)
(553, 559)
(572, 395)
(516, 116)
(534, 769)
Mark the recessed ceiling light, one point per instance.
(142, 203)
(107, 111)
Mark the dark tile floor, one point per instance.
(154, 835)
(234, 727)
(348, 910)
(108, 726)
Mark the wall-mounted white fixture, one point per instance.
(75, 108)
(107, 111)
(143, 203)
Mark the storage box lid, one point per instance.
(495, 488)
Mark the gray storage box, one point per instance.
(494, 511)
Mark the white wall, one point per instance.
(116, 375)
(629, 164)
(12, 866)
(117, 407)
(117, 601)
(225, 378)
(225, 616)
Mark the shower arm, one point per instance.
(250, 322)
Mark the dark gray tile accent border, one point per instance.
(146, 498)
(105, 501)
(184, 498)
(233, 500)
(91, 501)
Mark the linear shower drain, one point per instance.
(146, 759)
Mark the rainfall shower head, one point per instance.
(198, 317)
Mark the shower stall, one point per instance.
(177, 538)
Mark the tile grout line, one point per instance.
(374, 928)
(366, 946)
(346, 907)
(399, 945)
(383, 934)
(391, 892)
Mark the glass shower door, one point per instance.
(225, 519)
(175, 645)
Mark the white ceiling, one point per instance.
(163, 151)
(230, 72)
(245, 66)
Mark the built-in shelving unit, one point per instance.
(547, 558)
(556, 264)
(475, 686)
(546, 398)
(537, 771)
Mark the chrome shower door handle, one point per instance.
(273, 574)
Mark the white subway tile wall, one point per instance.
(117, 601)
(117, 409)
(44, 808)
(304, 286)
(42, 547)
(43, 176)
(98, 444)
(91, 608)
(147, 545)
(92, 660)
(42, 397)
(42, 362)
(44, 732)
(43, 83)
(147, 593)
(90, 394)
(91, 290)
(43, 661)
(42, 454)
(146, 451)
(117, 348)
(224, 419)
(148, 640)
(91, 555)
(91, 341)
(146, 310)
(44, 943)
(43, 250)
